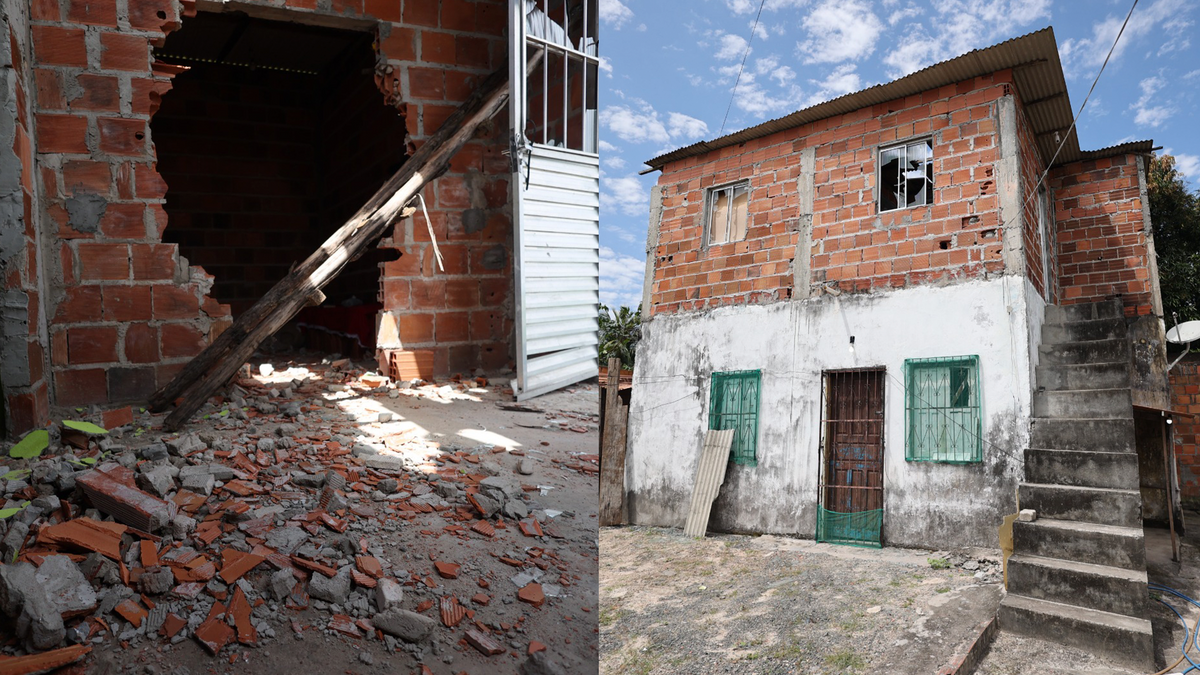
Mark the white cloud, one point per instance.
(842, 80)
(1083, 57)
(605, 146)
(955, 27)
(1189, 166)
(1145, 114)
(839, 30)
(685, 126)
(621, 278)
(731, 47)
(634, 126)
(760, 31)
(625, 194)
(614, 162)
(605, 66)
(615, 13)
(749, 6)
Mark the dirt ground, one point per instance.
(438, 434)
(741, 604)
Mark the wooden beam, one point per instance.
(612, 450)
(218, 363)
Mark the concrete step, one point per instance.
(1088, 504)
(1125, 639)
(1075, 331)
(1123, 547)
(1106, 309)
(1078, 376)
(1088, 351)
(1115, 470)
(1100, 435)
(1086, 403)
(1109, 589)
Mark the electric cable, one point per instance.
(746, 55)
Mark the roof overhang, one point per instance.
(1037, 75)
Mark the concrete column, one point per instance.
(1148, 228)
(651, 249)
(1008, 181)
(802, 262)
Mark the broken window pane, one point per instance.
(728, 213)
(719, 225)
(906, 176)
(738, 230)
(891, 190)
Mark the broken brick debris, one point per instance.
(87, 534)
(485, 643)
(123, 501)
(452, 612)
(447, 570)
(532, 593)
(34, 664)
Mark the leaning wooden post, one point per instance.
(612, 454)
(218, 363)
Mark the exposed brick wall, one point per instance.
(957, 237)
(124, 317)
(1185, 397)
(1101, 233)
(26, 403)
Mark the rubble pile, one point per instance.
(279, 519)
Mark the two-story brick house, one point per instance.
(912, 302)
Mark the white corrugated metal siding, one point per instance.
(558, 260)
(710, 474)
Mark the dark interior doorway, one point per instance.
(274, 135)
(851, 509)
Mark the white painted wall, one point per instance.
(925, 504)
(1035, 316)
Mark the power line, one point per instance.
(742, 67)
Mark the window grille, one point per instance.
(734, 404)
(944, 417)
(906, 175)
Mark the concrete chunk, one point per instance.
(388, 594)
(406, 625)
(65, 585)
(334, 589)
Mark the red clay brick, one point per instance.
(437, 47)
(80, 387)
(172, 302)
(62, 133)
(124, 221)
(95, 12)
(426, 83)
(416, 328)
(459, 15)
(56, 46)
(85, 175)
(153, 262)
(96, 93)
(384, 10)
(452, 327)
(150, 14)
(471, 52)
(99, 262)
(124, 52)
(181, 340)
(149, 183)
(79, 304)
(122, 136)
(127, 303)
(421, 13)
(91, 344)
(141, 343)
(400, 44)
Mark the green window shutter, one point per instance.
(943, 412)
(733, 404)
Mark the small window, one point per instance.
(727, 210)
(944, 420)
(906, 175)
(734, 405)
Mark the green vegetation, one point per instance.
(939, 563)
(1175, 218)
(620, 331)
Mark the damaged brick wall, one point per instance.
(124, 314)
(1032, 167)
(854, 246)
(1185, 397)
(23, 364)
(1101, 233)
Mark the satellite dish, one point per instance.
(1184, 333)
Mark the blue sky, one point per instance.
(669, 69)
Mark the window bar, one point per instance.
(586, 141)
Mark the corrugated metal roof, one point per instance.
(1037, 74)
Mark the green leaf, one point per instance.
(224, 413)
(88, 460)
(86, 427)
(8, 513)
(16, 473)
(32, 445)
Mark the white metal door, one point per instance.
(556, 193)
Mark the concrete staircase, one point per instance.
(1077, 574)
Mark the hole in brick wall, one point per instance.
(140, 136)
(161, 14)
(944, 244)
(986, 234)
(985, 187)
(274, 136)
(968, 221)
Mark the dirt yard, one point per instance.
(740, 604)
(484, 518)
